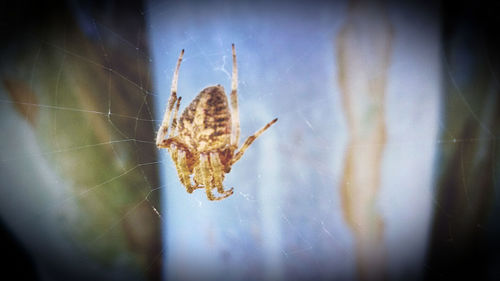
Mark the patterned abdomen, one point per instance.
(206, 123)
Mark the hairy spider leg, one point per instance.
(198, 177)
(207, 178)
(174, 154)
(183, 171)
(172, 150)
(218, 173)
(235, 118)
(249, 141)
(205, 175)
(198, 180)
(173, 128)
(180, 160)
(171, 101)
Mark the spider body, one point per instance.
(206, 123)
(203, 142)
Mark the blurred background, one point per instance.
(383, 164)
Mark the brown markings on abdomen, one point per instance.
(206, 123)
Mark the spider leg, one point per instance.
(207, 178)
(197, 177)
(250, 140)
(179, 159)
(173, 151)
(173, 128)
(235, 132)
(218, 173)
(162, 132)
(184, 171)
(198, 180)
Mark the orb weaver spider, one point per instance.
(204, 140)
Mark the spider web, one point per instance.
(81, 188)
(81, 171)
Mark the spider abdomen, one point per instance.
(206, 123)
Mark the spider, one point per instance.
(204, 140)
